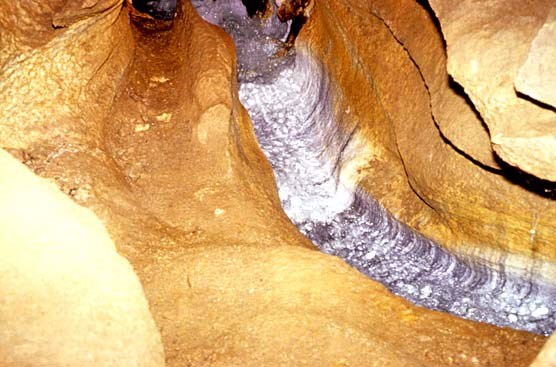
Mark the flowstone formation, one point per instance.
(135, 115)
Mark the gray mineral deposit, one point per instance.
(289, 99)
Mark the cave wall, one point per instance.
(143, 127)
(427, 153)
(68, 297)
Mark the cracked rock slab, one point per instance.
(487, 43)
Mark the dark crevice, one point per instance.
(257, 7)
(425, 5)
(460, 91)
(536, 185)
(536, 102)
(158, 9)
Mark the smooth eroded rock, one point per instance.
(537, 76)
(67, 298)
(547, 356)
(290, 306)
(144, 127)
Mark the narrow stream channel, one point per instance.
(290, 103)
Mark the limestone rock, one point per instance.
(487, 44)
(67, 297)
(238, 305)
(73, 11)
(144, 127)
(537, 76)
(454, 114)
(408, 165)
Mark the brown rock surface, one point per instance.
(488, 42)
(339, 40)
(68, 299)
(145, 129)
(238, 305)
(456, 118)
(458, 202)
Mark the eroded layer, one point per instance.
(290, 100)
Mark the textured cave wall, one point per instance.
(428, 156)
(144, 128)
(508, 75)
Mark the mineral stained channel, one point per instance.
(290, 101)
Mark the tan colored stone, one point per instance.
(68, 299)
(454, 114)
(74, 11)
(537, 76)
(487, 43)
(332, 35)
(190, 200)
(410, 167)
(547, 356)
(290, 306)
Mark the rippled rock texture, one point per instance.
(142, 125)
